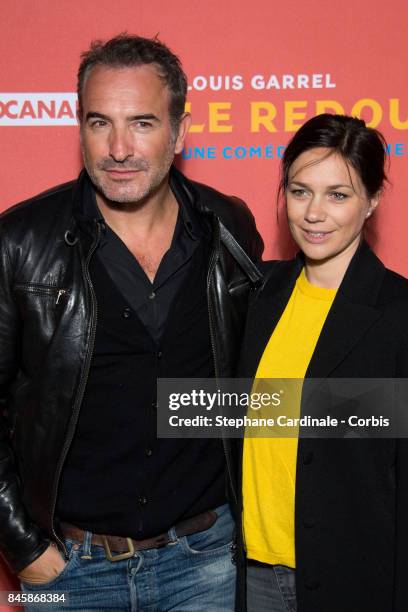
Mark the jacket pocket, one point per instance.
(57, 294)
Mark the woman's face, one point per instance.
(327, 205)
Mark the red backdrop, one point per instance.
(257, 70)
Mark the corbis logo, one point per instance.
(38, 108)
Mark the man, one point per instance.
(130, 273)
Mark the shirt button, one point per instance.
(154, 405)
(152, 295)
(142, 500)
(127, 313)
(159, 354)
(148, 452)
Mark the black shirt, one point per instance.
(151, 301)
(118, 477)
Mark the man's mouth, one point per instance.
(122, 171)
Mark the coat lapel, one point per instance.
(266, 310)
(353, 312)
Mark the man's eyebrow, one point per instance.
(143, 117)
(93, 115)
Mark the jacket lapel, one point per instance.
(266, 310)
(353, 312)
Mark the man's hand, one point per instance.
(45, 568)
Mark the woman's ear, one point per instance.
(373, 203)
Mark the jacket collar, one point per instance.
(187, 199)
(82, 207)
(184, 191)
(353, 312)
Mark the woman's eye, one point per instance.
(338, 196)
(298, 193)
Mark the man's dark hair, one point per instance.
(125, 51)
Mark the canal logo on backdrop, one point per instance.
(38, 108)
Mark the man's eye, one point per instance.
(98, 123)
(144, 124)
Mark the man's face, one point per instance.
(127, 139)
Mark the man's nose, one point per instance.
(120, 145)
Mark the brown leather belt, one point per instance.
(126, 547)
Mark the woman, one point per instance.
(325, 521)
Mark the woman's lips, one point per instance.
(316, 237)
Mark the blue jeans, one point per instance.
(270, 588)
(191, 574)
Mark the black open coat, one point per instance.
(351, 508)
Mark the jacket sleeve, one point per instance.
(401, 513)
(20, 541)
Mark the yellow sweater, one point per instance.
(269, 465)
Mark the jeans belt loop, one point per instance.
(87, 546)
(173, 538)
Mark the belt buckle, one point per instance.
(126, 555)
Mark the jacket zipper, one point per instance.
(61, 292)
(44, 290)
(213, 261)
(82, 383)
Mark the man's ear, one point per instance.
(182, 131)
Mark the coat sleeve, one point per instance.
(20, 541)
(401, 515)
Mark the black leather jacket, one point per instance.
(48, 316)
